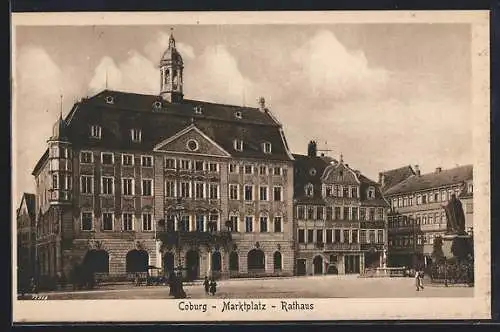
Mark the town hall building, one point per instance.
(130, 181)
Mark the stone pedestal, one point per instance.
(448, 240)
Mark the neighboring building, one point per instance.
(340, 216)
(417, 214)
(109, 183)
(26, 236)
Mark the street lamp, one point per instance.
(178, 214)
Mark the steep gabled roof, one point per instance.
(222, 123)
(308, 169)
(395, 176)
(29, 200)
(432, 180)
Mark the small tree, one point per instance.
(437, 250)
(462, 248)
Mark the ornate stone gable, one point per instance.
(339, 174)
(191, 140)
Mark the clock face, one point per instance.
(192, 145)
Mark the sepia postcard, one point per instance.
(250, 166)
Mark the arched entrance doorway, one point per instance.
(168, 262)
(318, 265)
(372, 258)
(137, 261)
(192, 264)
(234, 264)
(277, 261)
(256, 261)
(96, 261)
(216, 261)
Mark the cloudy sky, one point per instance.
(383, 95)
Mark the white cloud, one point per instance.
(333, 71)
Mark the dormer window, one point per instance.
(136, 135)
(198, 110)
(238, 115)
(309, 190)
(157, 105)
(266, 147)
(110, 100)
(371, 193)
(95, 131)
(238, 144)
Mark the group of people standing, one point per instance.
(210, 286)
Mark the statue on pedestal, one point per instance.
(455, 224)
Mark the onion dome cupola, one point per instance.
(171, 72)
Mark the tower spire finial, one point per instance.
(106, 78)
(341, 158)
(171, 40)
(60, 106)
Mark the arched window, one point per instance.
(137, 261)
(256, 260)
(216, 261)
(309, 189)
(234, 264)
(277, 261)
(97, 261)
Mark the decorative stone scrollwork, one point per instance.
(278, 246)
(257, 244)
(139, 245)
(95, 245)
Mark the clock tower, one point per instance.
(171, 68)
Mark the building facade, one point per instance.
(417, 215)
(131, 180)
(26, 237)
(340, 216)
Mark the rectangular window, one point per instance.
(136, 135)
(354, 213)
(86, 157)
(107, 185)
(86, 184)
(199, 190)
(248, 192)
(424, 199)
(319, 236)
(55, 182)
(127, 159)
(337, 213)
(346, 213)
(328, 191)
(277, 194)
(200, 223)
(233, 223)
(329, 236)
(95, 131)
(238, 145)
(354, 234)
(213, 190)
(128, 187)
(410, 201)
(184, 193)
(337, 235)
(263, 224)
(169, 163)
(147, 187)
(107, 221)
(87, 222)
(277, 225)
(336, 191)
(380, 214)
(346, 236)
(301, 236)
(277, 170)
(372, 236)
(310, 213)
(198, 165)
(319, 213)
(263, 193)
(248, 169)
(147, 161)
(184, 223)
(329, 213)
(380, 237)
(185, 164)
(345, 192)
(262, 170)
(107, 158)
(300, 212)
(127, 222)
(371, 214)
(266, 147)
(233, 168)
(212, 167)
(147, 222)
(233, 191)
(248, 224)
(170, 189)
(310, 236)
(362, 236)
(354, 192)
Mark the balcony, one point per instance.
(59, 196)
(196, 238)
(375, 224)
(329, 246)
(369, 246)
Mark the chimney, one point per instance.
(438, 170)
(381, 178)
(417, 170)
(262, 104)
(312, 149)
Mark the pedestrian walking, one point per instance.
(213, 287)
(418, 281)
(421, 279)
(206, 284)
